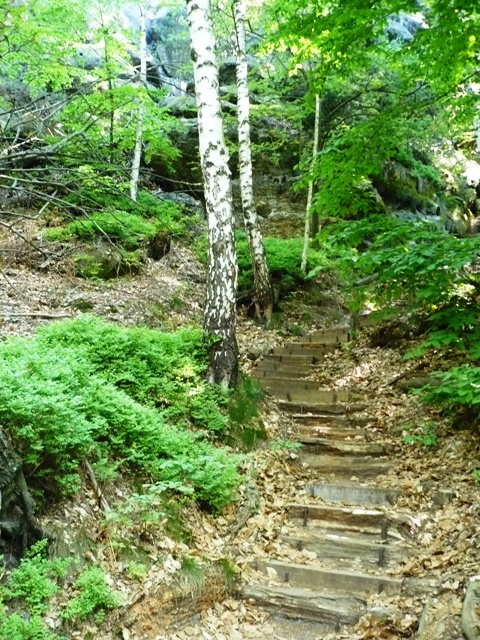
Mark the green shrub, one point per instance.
(88, 389)
(283, 257)
(115, 216)
(459, 388)
(28, 590)
(423, 434)
(128, 229)
(95, 597)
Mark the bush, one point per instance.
(95, 596)
(116, 217)
(283, 257)
(28, 589)
(128, 229)
(86, 389)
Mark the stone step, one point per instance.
(322, 446)
(347, 466)
(333, 432)
(328, 336)
(353, 519)
(347, 549)
(304, 358)
(373, 524)
(272, 365)
(317, 349)
(322, 419)
(310, 576)
(325, 607)
(354, 494)
(300, 402)
(279, 374)
(314, 389)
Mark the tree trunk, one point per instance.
(137, 153)
(222, 260)
(17, 526)
(263, 298)
(306, 237)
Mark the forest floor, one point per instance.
(169, 294)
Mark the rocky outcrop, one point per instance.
(17, 526)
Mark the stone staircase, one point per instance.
(346, 517)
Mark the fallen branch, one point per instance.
(248, 509)
(398, 377)
(98, 492)
(366, 280)
(47, 316)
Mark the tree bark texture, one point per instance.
(220, 309)
(263, 298)
(310, 185)
(137, 152)
(17, 526)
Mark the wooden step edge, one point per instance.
(330, 432)
(349, 516)
(354, 582)
(346, 548)
(292, 405)
(318, 606)
(327, 446)
(352, 494)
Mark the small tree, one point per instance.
(220, 312)
(263, 297)
(137, 152)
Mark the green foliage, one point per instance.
(128, 229)
(103, 265)
(95, 597)
(423, 434)
(476, 477)
(120, 220)
(152, 512)
(86, 389)
(27, 590)
(286, 446)
(246, 428)
(283, 257)
(459, 388)
(34, 581)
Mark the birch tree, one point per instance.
(220, 316)
(137, 152)
(263, 297)
(306, 236)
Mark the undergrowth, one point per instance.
(27, 593)
(283, 257)
(114, 216)
(430, 274)
(123, 399)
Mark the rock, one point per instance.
(260, 348)
(106, 263)
(189, 204)
(17, 529)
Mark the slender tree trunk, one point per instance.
(137, 152)
(306, 237)
(263, 298)
(220, 316)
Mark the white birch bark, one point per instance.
(220, 308)
(306, 237)
(137, 152)
(263, 297)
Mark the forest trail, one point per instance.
(354, 530)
